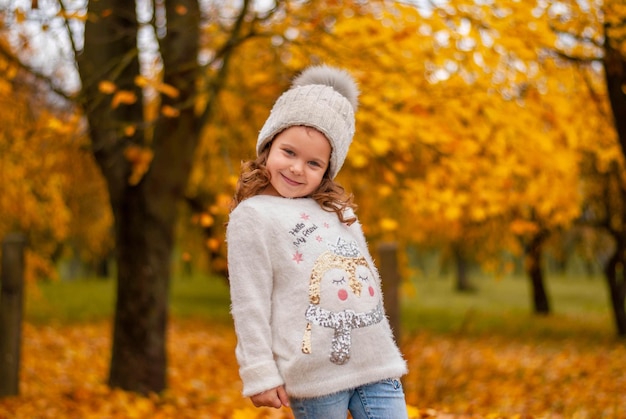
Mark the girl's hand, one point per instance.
(276, 397)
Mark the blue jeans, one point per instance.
(381, 400)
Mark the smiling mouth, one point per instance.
(289, 181)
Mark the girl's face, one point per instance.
(297, 162)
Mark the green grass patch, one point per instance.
(86, 300)
(69, 301)
(580, 307)
(203, 298)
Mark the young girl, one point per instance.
(306, 296)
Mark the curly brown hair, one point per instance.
(255, 177)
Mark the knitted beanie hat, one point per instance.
(321, 97)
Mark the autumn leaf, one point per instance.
(169, 111)
(142, 81)
(358, 161)
(20, 16)
(388, 224)
(213, 244)
(125, 97)
(523, 227)
(168, 90)
(206, 220)
(163, 88)
(140, 159)
(75, 15)
(107, 87)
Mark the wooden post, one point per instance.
(390, 276)
(11, 304)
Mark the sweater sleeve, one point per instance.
(251, 283)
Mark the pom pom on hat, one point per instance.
(338, 79)
(321, 97)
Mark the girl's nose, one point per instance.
(296, 168)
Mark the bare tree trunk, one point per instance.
(145, 242)
(11, 312)
(390, 277)
(144, 210)
(534, 270)
(463, 283)
(615, 76)
(616, 282)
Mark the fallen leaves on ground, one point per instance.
(503, 378)
(64, 369)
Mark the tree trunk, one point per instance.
(144, 210)
(11, 312)
(615, 76)
(391, 278)
(463, 283)
(614, 274)
(534, 270)
(144, 246)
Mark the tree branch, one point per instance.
(49, 82)
(225, 53)
(66, 24)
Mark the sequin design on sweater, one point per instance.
(341, 275)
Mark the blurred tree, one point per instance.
(40, 156)
(147, 161)
(470, 149)
(592, 34)
(614, 62)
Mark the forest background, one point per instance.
(491, 133)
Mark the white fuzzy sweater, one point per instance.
(306, 300)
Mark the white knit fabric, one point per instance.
(315, 105)
(301, 282)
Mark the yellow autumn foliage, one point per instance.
(469, 118)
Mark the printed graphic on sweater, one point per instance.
(303, 231)
(341, 275)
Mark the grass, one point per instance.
(498, 306)
(69, 301)
(579, 305)
(204, 298)
(87, 300)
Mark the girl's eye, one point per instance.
(288, 152)
(339, 281)
(315, 164)
(364, 278)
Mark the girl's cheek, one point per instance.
(342, 294)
